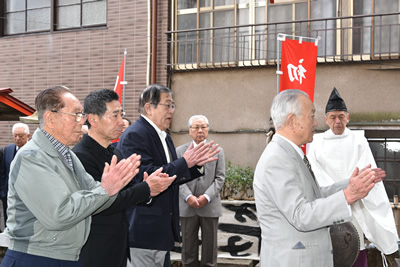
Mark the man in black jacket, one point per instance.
(107, 244)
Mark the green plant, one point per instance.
(238, 181)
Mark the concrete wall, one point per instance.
(239, 100)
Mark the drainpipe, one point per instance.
(154, 42)
(148, 65)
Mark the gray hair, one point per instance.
(50, 100)
(21, 125)
(285, 103)
(196, 117)
(152, 95)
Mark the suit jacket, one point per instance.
(8, 156)
(293, 211)
(155, 225)
(107, 244)
(209, 184)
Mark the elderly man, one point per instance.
(154, 226)
(334, 154)
(21, 135)
(107, 244)
(200, 203)
(51, 198)
(293, 211)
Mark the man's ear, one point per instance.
(290, 121)
(148, 108)
(50, 119)
(92, 119)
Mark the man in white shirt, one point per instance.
(333, 155)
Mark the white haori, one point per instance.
(333, 158)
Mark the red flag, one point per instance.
(298, 65)
(120, 78)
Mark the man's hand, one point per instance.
(379, 174)
(202, 201)
(158, 181)
(116, 176)
(360, 183)
(192, 202)
(201, 154)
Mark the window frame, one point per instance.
(52, 20)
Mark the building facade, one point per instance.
(218, 56)
(79, 44)
(224, 64)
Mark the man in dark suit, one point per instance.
(107, 244)
(155, 226)
(294, 212)
(21, 135)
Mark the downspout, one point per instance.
(154, 42)
(148, 43)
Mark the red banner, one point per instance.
(120, 78)
(298, 65)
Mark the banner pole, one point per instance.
(278, 65)
(281, 37)
(124, 82)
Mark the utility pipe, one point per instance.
(154, 43)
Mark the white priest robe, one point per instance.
(333, 158)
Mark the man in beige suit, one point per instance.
(200, 203)
(294, 212)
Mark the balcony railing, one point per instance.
(343, 39)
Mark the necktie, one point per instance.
(305, 159)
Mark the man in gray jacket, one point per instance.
(200, 203)
(294, 212)
(51, 197)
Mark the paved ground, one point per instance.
(221, 263)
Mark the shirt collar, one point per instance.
(60, 147)
(194, 143)
(109, 151)
(297, 148)
(161, 133)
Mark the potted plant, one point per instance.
(238, 182)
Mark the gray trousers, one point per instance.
(148, 257)
(190, 241)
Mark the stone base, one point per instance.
(227, 263)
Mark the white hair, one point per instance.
(196, 117)
(285, 103)
(21, 125)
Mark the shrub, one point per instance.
(238, 182)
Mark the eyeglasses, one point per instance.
(115, 114)
(78, 115)
(196, 128)
(169, 106)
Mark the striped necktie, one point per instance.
(305, 159)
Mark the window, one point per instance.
(26, 16)
(23, 16)
(237, 33)
(80, 13)
(379, 34)
(386, 151)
